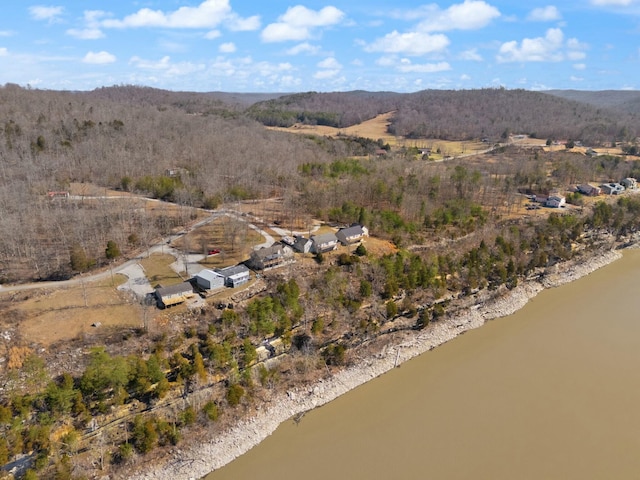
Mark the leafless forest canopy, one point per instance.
(128, 138)
(467, 114)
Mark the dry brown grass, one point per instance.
(215, 236)
(376, 129)
(157, 269)
(52, 315)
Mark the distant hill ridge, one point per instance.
(466, 114)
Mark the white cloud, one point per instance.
(86, 33)
(298, 23)
(471, 54)
(6, 33)
(212, 34)
(324, 74)
(99, 58)
(229, 47)
(469, 15)
(540, 49)
(165, 66)
(573, 55)
(544, 14)
(305, 47)
(412, 43)
(209, 14)
(573, 78)
(238, 24)
(330, 68)
(162, 64)
(579, 66)
(406, 66)
(329, 62)
(4, 52)
(40, 12)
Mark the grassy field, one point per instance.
(376, 128)
(51, 315)
(158, 271)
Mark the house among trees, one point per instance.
(353, 234)
(589, 190)
(630, 183)
(270, 257)
(555, 201)
(324, 243)
(209, 279)
(235, 275)
(173, 294)
(611, 188)
(302, 244)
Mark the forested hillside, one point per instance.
(619, 100)
(125, 139)
(461, 114)
(129, 138)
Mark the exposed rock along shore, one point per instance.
(197, 460)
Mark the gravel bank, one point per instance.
(195, 461)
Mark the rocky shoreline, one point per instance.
(196, 461)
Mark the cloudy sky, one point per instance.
(285, 46)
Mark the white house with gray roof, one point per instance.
(352, 234)
(235, 275)
(209, 279)
(324, 243)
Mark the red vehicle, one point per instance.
(215, 251)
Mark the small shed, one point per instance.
(209, 279)
(174, 294)
(235, 275)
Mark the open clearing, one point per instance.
(376, 129)
(49, 315)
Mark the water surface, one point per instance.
(552, 391)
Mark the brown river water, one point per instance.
(551, 392)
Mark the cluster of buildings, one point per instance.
(612, 188)
(276, 255)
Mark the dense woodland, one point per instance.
(452, 223)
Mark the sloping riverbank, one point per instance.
(195, 461)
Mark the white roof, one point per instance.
(209, 274)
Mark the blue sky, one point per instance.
(285, 46)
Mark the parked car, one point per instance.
(214, 251)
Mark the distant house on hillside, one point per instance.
(589, 190)
(270, 257)
(555, 201)
(235, 276)
(611, 188)
(173, 294)
(302, 244)
(590, 152)
(209, 280)
(630, 183)
(324, 243)
(352, 234)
